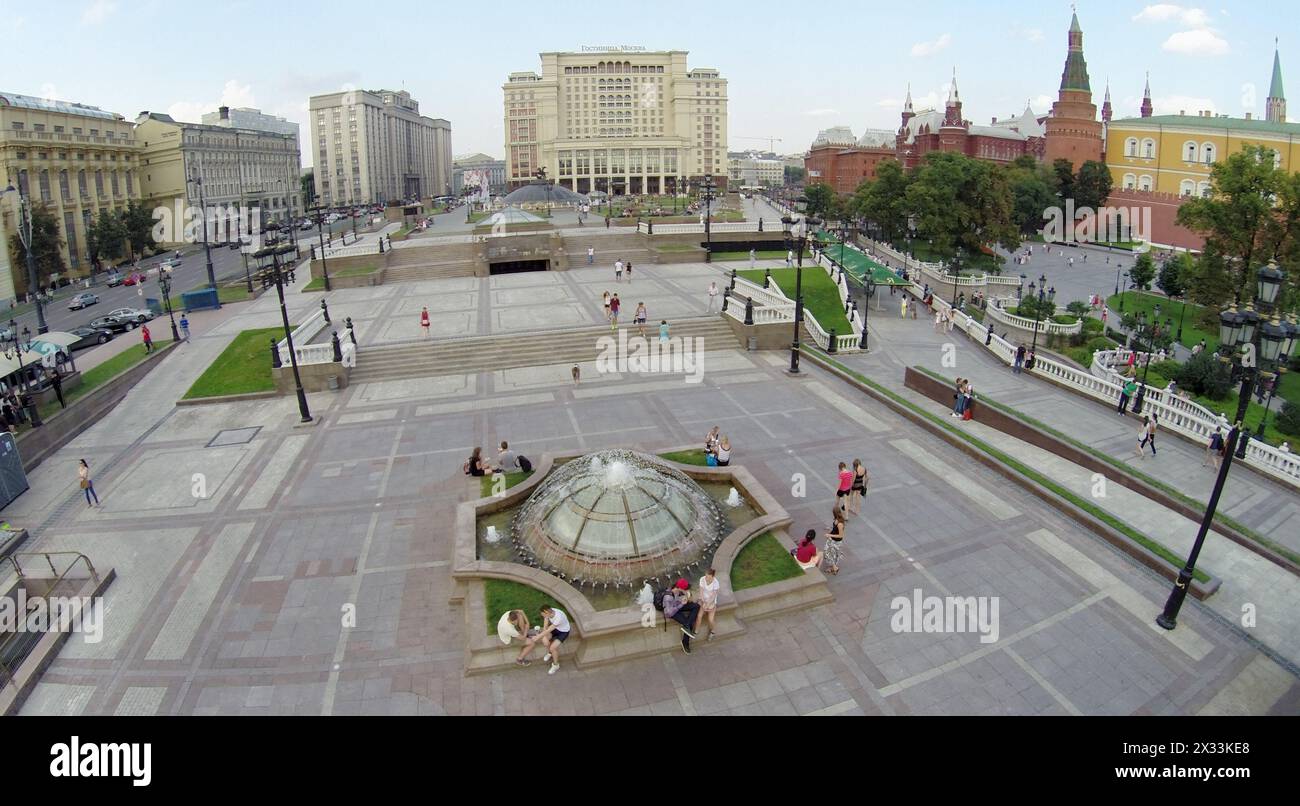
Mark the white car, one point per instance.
(137, 315)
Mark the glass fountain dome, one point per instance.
(617, 518)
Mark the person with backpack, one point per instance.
(677, 605)
(1020, 360)
(507, 460)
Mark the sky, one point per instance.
(792, 69)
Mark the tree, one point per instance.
(1172, 274)
(794, 175)
(821, 200)
(307, 185)
(1092, 185)
(138, 223)
(884, 201)
(1143, 271)
(961, 204)
(1208, 281)
(1031, 193)
(1063, 171)
(46, 244)
(1251, 216)
(106, 236)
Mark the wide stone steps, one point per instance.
(491, 353)
(428, 271)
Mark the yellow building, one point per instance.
(1174, 153)
(76, 160)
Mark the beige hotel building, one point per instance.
(621, 121)
(74, 159)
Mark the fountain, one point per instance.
(615, 518)
(733, 498)
(492, 535)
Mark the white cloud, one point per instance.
(1203, 42)
(233, 94)
(98, 11)
(1166, 12)
(1042, 103)
(930, 48)
(821, 113)
(1028, 34)
(1171, 104)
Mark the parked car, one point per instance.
(90, 337)
(112, 323)
(82, 301)
(115, 279)
(139, 315)
(134, 278)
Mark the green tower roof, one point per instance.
(1275, 88)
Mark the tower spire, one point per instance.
(907, 104)
(1146, 98)
(1106, 111)
(1275, 106)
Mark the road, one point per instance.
(192, 273)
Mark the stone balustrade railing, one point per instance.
(1046, 326)
(645, 227)
(760, 295)
(306, 352)
(1175, 414)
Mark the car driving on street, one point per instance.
(139, 315)
(82, 301)
(89, 337)
(113, 324)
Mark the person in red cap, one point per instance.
(679, 607)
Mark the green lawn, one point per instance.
(486, 483)
(318, 283)
(1169, 309)
(242, 368)
(1289, 387)
(820, 296)
(763, 560)
(694, 457)
(97, 376)
(677, 247)
(500, 596)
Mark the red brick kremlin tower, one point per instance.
(1073, 131)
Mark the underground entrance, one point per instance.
(517, 266)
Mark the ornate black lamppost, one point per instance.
(25, 235)
(270, 257)
(319, 210)
(708, 192)
(796, 236)
(165, 286)
(1045, 295)
(1252, 347)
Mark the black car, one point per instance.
(112, 323)
(90, 337)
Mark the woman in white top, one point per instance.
(724, 452)
(709, 586)
(711, 440)
(606, 303)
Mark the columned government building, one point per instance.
(618, 121)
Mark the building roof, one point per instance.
(998, 132)
(63, 107)
(835, 136)
(926, 117)
(1027, 123)
(1275, 87)
(473, 159)
(1197, 122)
(877, 138)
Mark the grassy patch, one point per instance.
(500, 596)
(486, 483)
(1170, 309)
(318, 283)
(676, 247)
(99, 375)
(242, 368)
(763, 560)
(1097, 512)
(695, 457)
(820, 296)
(233, 293)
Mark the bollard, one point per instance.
(749, 310)
(338, 349)
(275, 355)
(733, 279)
(831, 348)
(726, 296)
(351, 331)
(326, 311)
(767, 279)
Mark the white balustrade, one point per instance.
(306, 352)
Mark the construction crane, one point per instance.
(771, 142)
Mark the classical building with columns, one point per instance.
(76, 160)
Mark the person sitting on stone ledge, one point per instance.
(806, 554)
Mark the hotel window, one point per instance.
(64, 192)
(81, 184)
(43, 180)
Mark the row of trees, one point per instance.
(961, 204)
(112, 235)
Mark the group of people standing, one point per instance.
(848, 501)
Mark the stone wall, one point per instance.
(315, 377)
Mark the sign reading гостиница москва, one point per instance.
(613, 48)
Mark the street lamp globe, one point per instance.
(1268, 283)
(1249, 321)
(1271, 337)
(1229, 328)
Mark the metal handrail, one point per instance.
(6, 674)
